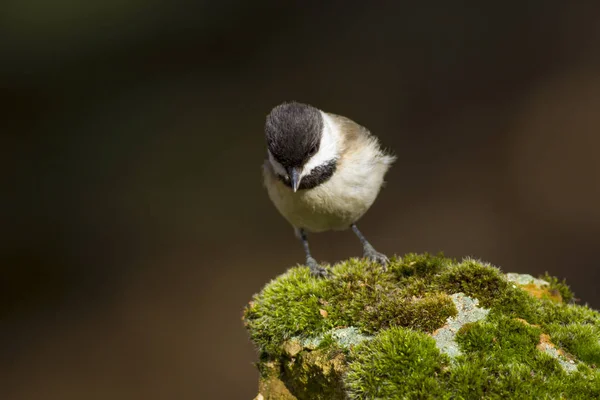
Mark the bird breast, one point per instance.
(339, 201)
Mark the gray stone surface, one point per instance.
(468, 312)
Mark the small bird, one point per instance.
(322, 172)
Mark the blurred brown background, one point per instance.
(134, 225)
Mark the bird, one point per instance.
(322, 172)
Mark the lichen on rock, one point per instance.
(468, 312)
(428, 327)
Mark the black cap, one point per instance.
(293, 132)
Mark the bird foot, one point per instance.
(316, 269)
(372, 255)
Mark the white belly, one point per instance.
(335, 204)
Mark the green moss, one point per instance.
(288, 306)
(372, 299)
(399, 363)
(357, 294)
(315, 374)
(475, 279)
(509, 339)
(421, 265)
(354, 288)
(559, 287)
(515, 302)
(366, 333)
(426, 313)
(508, 350)
(580, 339)
(328, 343)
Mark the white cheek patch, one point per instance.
(277, 167)
(328, 150)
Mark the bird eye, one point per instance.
(312, 151)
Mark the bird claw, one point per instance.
(372, 255)
(316, 270)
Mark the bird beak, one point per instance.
(294, 175)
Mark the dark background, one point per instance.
(134, 224)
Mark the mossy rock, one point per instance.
(428, 327)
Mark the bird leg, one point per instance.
(315, 268)
(369, 251)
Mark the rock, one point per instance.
(468, 312)
(428, 327)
